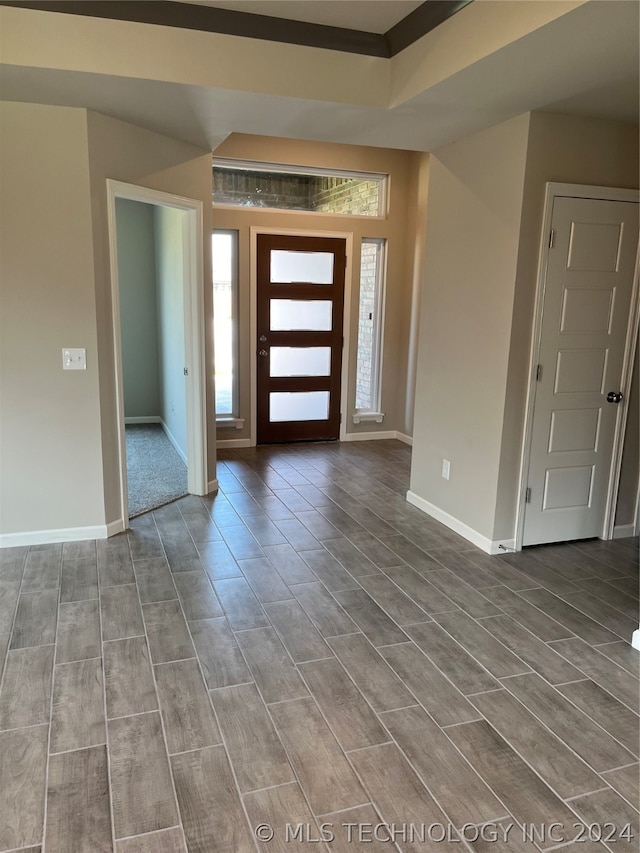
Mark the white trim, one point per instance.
(635, 639)
(115, 527)
(347, 236)
(212, 486)
(368, 417)
(193, 256)
(489, 546)
(624, 531)
(194, 332)
(234, 442)
(372, 436)
(174, 442)
(229, 423)
(143, 419)
(369, 436)
(61, 534)
(553, 191)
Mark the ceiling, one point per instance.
(584, 62)
(373, 16)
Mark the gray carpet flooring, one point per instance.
(156, 474)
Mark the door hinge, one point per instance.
(552, 238)
(538, 373)
(340, 417)
(185, 371)
(527, 495)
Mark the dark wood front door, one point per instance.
(299, 353)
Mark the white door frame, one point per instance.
(553, 191)
(194, 332)
(344, 380)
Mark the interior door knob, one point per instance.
(614, 397)
(263, 353)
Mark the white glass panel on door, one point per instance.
(307, 267)
(300, 361)
(298, 406)
(309, 315)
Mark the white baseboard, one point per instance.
(61, 534)
(115, 527)
(212, 486)
(623, 531)
(635, 639)
(175, 444)
(407, 439)
(233, 442)
(372, 436)
(144, 419)
(489, 546)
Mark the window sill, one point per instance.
(229, 423)
(368, 417)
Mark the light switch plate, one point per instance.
(74, 358)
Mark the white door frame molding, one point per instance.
(344, 380)
(582, 191)
(194, 332)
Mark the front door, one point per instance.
(587, 297)
(299, 353)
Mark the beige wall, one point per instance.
(58, 429)
(473, 223)
(127, 153)
(415, 249)
(399, 228)
(50, 463)
(570, 150)
(486, 199)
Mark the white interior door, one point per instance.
(587, 297)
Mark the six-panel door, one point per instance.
(587, 296)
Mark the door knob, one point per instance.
(263, 353)
(614, 397)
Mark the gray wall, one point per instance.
(573, 150)
(168, 224)
(50, 448)
(473, 225)
(484, 215)
(124, 152)
(138, 308)
(58, 430)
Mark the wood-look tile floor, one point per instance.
(306, 648)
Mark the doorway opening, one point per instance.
(156, 256)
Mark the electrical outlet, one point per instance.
(446, 469)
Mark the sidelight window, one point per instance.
(370, 328)
(224, 253)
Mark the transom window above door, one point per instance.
(267, 185)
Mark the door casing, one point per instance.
(194, 335)
(342, 235)
(553, 191)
